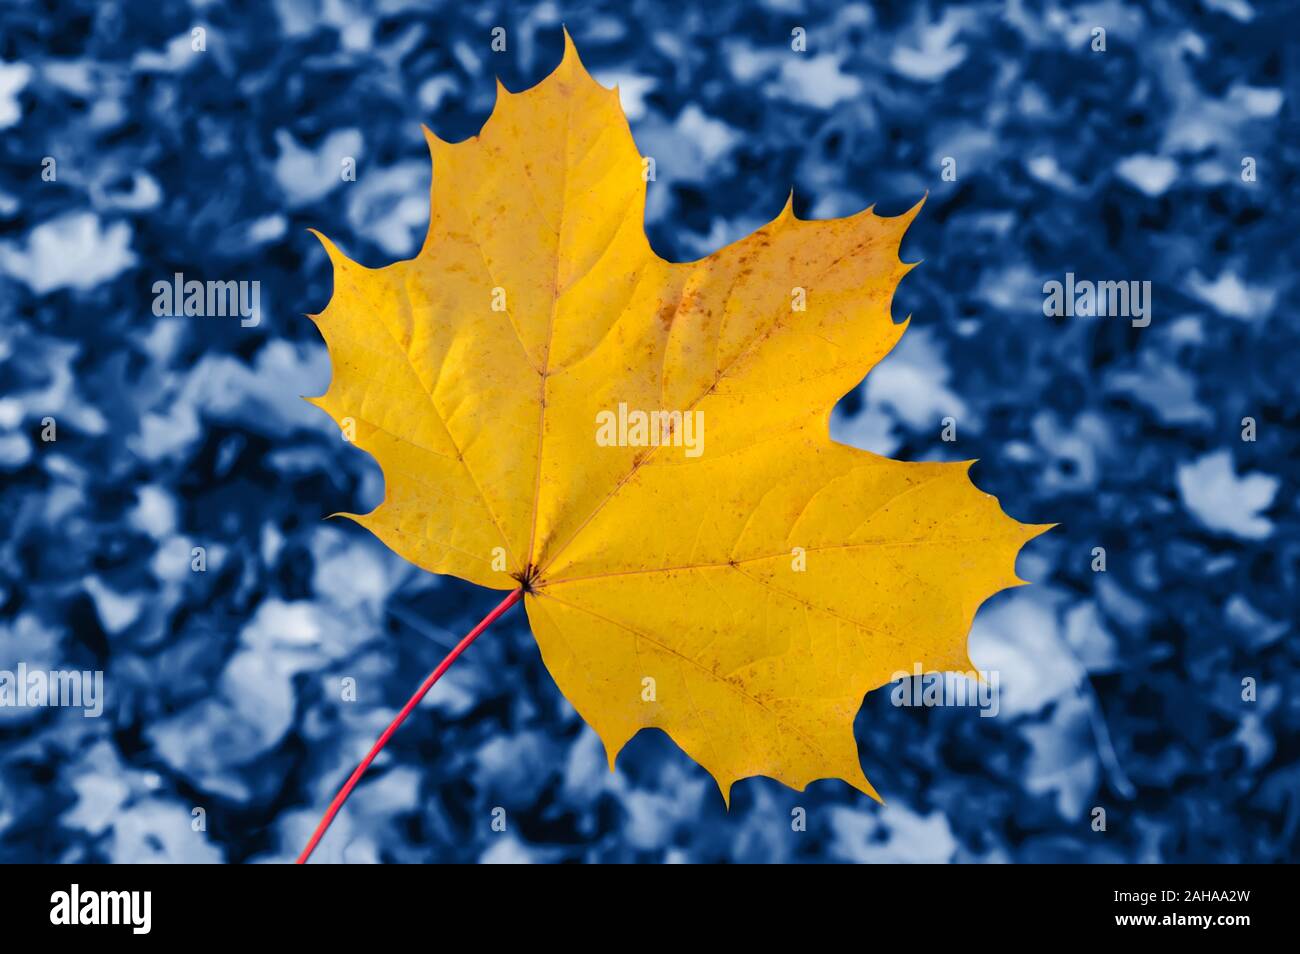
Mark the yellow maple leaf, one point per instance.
(723, 571)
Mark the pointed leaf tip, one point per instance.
(905, 218)
(787, 210)
(332, 250)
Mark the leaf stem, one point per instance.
(407, 709)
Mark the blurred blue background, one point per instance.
(1120, 690)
